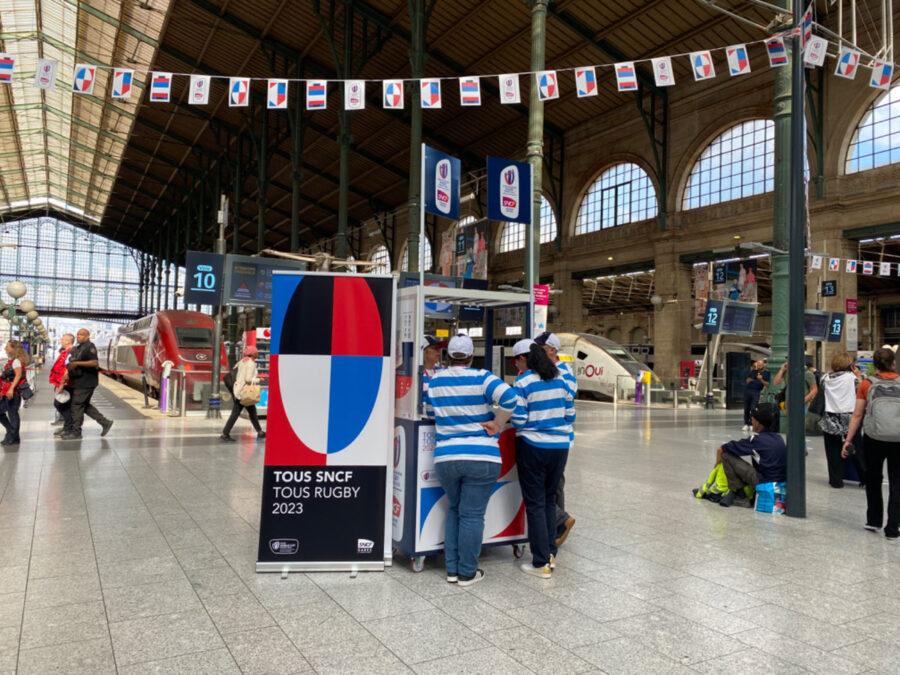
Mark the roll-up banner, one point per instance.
(330, 424)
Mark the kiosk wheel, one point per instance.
(417, 564)
(518, 550)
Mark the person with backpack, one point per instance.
(877, 412)
(243, 375)
(543, 418)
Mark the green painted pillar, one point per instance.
(782, 215)
(346, 119)
(535, 148)
(263, 160)
(238, 185)
(296, 176)
(417, 63)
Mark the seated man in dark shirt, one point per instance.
(768, 455)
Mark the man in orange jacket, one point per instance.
(57, 373)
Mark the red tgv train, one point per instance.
(185, 338)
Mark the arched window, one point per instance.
(876, 141)
(512, 238)
(467, 220)
(622, 194)
(738, 163)
(383, 257)
(426, 258)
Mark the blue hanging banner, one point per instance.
(509, 190)
(441, 184)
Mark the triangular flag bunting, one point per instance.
(662, 71)
(509, 89)
(469, 91)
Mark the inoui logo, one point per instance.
(443, 178)
(509, 192)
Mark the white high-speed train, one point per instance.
(599, 364)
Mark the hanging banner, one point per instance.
(84, 77)
(509, 89)
(541, 307)
(509, 190)
(122, 79)
(200, 85)
(847, 64)
(7, 64)
(441, 180)
(354, 94)
(431, 93)
(45, 75)
(736, 281)
(330, 428)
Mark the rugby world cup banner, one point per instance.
(509, 190)
(330, 423)
(440, 184)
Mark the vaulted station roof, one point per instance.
(60, 151)
(132, 164)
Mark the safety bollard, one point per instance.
(144, 389)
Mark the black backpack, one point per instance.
(228, 380)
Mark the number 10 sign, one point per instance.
(203, 278)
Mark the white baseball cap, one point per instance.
(461, 345)
(549, 339)
(522, 347)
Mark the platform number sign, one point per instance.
(712, 317)
(203, 278)
(829, 288)
(836, 327)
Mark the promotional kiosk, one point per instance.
(419, 507)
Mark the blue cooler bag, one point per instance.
(771, 497)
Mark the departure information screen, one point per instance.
(739, 318)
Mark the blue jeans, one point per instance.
(751, 401)
(468, 485)
(539, 472)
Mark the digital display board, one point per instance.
(739, 318)
(203, 278)
(712, 317)
(836, 327)
(815, 325)
(248, 279)
(829, 288)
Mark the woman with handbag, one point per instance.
(11, 379)
(840, 399)
(245, 393)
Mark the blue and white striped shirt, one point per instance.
(566, 371)
(459, 399)
(545, 411)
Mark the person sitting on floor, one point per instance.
(733, 481)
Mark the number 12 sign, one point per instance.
(203, 278)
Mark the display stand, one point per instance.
(419, 507)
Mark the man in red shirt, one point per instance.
(57, 374)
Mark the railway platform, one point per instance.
(135, 553)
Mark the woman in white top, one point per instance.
(13, 375)
(840, 397)
(244, 374)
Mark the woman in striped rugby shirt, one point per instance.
(543, 420)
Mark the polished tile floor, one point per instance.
(135, 554)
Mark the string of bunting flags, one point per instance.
(867, 267)
(703, 67)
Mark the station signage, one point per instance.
(509, 190)
(203, 278)
(829, 288)
(248, 279)
(836, 327)
(440, 178)
(712, 317)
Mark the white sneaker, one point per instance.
(552, 562)
(542, 572)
